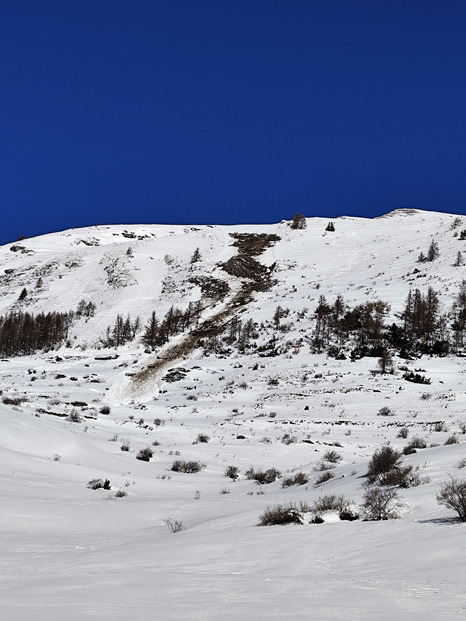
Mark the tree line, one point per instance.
(22, 334)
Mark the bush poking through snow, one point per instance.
(415, 443)
(415, 378)
(300, 478)
(331, 502)
(232, 472)
(188, 467)
(324, 477)
(280, 515)
(385, 468)
(452, 494)
(403, 433)
(263, 477)
(173, 525)
(203, 438)
(385, 411)
(14, 400)
(74, 417)
(332, 456)
(380, 503)
(382, 461)
(145, 454)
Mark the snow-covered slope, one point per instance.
(68, 550)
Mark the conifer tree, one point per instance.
(299, 221)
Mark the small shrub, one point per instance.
(74, 417)
(403, 476)
(403, 433)
(418, 442)
(288, 439)
(461, 463)
(263, 477)
(385, 411)
(232, 472)
(125, 446)
(202, 437)
(332, 456)
(331, 502)
(380, 503)
(145, 454)
(451, 440)
(173, 525)
(300, 478)
(382, 461)
(224, 490)
(385, 468)
(452, 494)
(280, 515)
(324, 477)
(415, 443)
(14, 400)
(105, 409)
(121, 493)
(416, 378)
(188, 467)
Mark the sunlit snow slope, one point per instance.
(83, 412)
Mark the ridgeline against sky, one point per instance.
(214, 112)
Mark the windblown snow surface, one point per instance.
(71, 552)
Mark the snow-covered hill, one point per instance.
(84, 411)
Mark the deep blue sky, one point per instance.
(215, 111)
